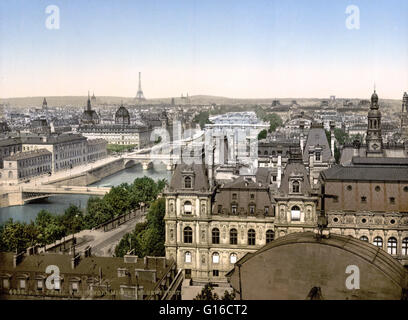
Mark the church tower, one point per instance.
(374, 138)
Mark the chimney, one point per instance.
(279, 176)
(75, 261)
(302, 142)
(311, 164)
(332, 137)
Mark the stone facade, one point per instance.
(24, 165)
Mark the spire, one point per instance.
(88, 105)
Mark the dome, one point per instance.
(122, 116)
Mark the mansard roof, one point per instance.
(317, 137)
(295, 169)
(366, 173)
(198, 171)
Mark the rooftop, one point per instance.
(28, 155)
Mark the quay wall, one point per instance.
(12, 195)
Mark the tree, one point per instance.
(228, 296)
(147, 239)
(14, 236)
(72, 220)
(262, 135)
(207, 293)
(274, 120)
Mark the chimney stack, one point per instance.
(279, 176)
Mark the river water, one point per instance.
(58, 203)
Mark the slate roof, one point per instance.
(28, 155)
(317, 137)
(200, 177)
(297, 168)
(380, 161)
(366, 173)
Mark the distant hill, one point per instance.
(80, 101)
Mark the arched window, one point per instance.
(251, 237)
(233, 236)
(295, 187)
(392, 246)
(233, 258)
(295, 214)
(187, 182)
(405, 246)
(378, 241)
(188, 235)
(215, 236)
(187, 257)
(364, 238)
(188, 208)
(270, 235)
(266, 152)
(216, 257)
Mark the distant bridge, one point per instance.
(38, 192)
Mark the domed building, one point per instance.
(89, 116)
(122, 116)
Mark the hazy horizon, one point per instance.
(264, 49)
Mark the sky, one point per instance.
(229, 48)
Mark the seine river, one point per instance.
(57, 204)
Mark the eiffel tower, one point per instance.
(139, 95)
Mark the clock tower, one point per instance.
(374, 139)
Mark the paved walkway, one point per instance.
(103, 243)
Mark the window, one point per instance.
(251, 237)
(274, 178)
(233, 236)
(318, 156)
(295, 214)
(378, 241)
(392, 200)
(266, 211)
(335, 199)
(233, 258)
(6, 283)
(378, 188)
(234, 209)
(188, 235)
(187, 182)
(215, 236)
(187, 273)
(295, 187)
(349, 188)
(406, 189)
(234, 196)
(392, 246)
(216, 273)
(216, 257)
(219, 209)
(188, 208)
(270, 235)
(39, 285)
(75, 286)
(364, 238)
(405, 246)
(252, 209)
(252, 196)
(363, 199)
(187, 257)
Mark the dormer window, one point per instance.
(295, 187)
(187, 183)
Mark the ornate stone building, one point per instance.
(369, 201)
(211, 224)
